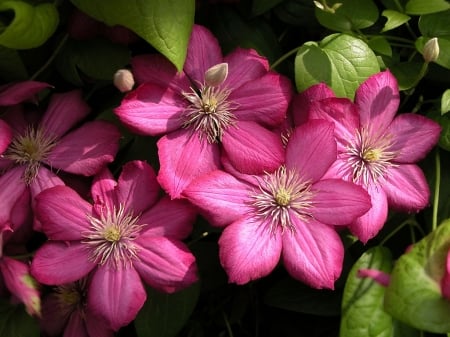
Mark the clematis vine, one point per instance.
(376, 149)
(288, 213)
(219, 105)
(127, 237)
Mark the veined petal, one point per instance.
(253, 149)
(406, 188)
(249, 250)
(222, 198)
(12, 188)
(87, 149)
(311, 149)
(5, 136)
(165, 264)
(413, 137)
(313, 253)
(57, 263)
(63, 112)
(75, 325)
(96, 325)
(184, 157)
(152, 110)
(302, 101)
(102, 191)
(116, 294)
(378, 99)
(62, 213)
(338, 202)
(16, 93)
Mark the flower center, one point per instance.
(111, 237)
(72, 296)
(30, 149)
(282, 195)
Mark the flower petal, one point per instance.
(5, 136)
(57, 263)
(165, 264)
(311, 149)
(249, 250)
(313, 253)
(301, 102)
(102, 191)
(15, 93)
(87, 149)
(12, 188)
(253, 149)
(75, 325)
(116, 294)
(184, 157)
(338, 202)
(414, 136)
(378, 99)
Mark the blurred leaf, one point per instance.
(352, 15)
(406, 73)
(444, 138)
(419, 7)
(297, 13)
(30, 26)
(380, 45)
(341, 61)
(15, 322)
(445, 102)
(165, 24)
(394, 19)
(362, 303)
(414, 294)
(11, 66)
(444, 49)
(261, 6)
(435, 25)
(164, 315)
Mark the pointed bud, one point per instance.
(216, 75)
(123, 80)
(431, 50)
(319, 5)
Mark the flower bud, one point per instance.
(123, 80)
(216, 75)
(431, 50)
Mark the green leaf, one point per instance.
(444, 138)
(380, 45)
(298, 13)
(362, 303)
(435, 25)
(30, 26)
(406, 73)
(445, 102)
(444, 49)
(261, 6)
(414, 294)
(351, 15)
(341, 61)
(164, 315)
(15, 322)
(419, 7)
(11, 66)
(165, 24)
(394, 19)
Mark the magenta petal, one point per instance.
(152, 110)
(311, 149)
(96, 325)
(53, 319)
(184, 157)
(406, 188)
(221, 198)
(75, 325)
(381, 277)
(63, 112)
(57, 263)
(249, 250)
(445, 282)
(338, 202)
(62, 213)
(378, 99)
(5, 136)
(86, 150)
(103, 191)
(301, 102)
(15, 93)
(252, 149)
(116, 294)
(165, 264)
(313, 253)
(170, 218)
(413, 136)
(12, 188)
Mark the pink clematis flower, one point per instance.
(288, 213)
(217, 105)
(377, 150)
(127, 236)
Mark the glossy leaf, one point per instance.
(394, 19)
(15, 322)
(445, 102)
(406, 73)
(380, 45)
(419, 7)
(262, 6)
(435, 25)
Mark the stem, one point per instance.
(227, 324)
(395, 231)
(284, 57)
(436, 189)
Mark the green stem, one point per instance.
(436, 189)
(284, 57)
(227, 324)
(396, 230)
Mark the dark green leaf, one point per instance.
(394, 19)
(435, 25)
(419, 7)
(406, 74)
(380, 45)
(11, 66)
(15, 322)
(444, 138)
(262, 6)
(445, 102)
(297, 13)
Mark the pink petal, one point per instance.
(414, 136)
(313, 253)
(53, 319)
(12, 188)
(368, 225)
(102, 191)
(5, 136)
(15, 93)
(63, 112)
(62, 213)
(378, 99)
(152, 110)
(264, 100)
(75, 325)
(445, 282)
(203, 52)
(96, 325)
(406, 188)
(244, 65)
(57, 263)
(311, 149)
(378, 276)
(253, 149)
(338, 202)
(249, 250)
(170, 218)
(301, 102)
(87, 149)
(184, 157)
(117, 295)
(222, 198)
(165, 264)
